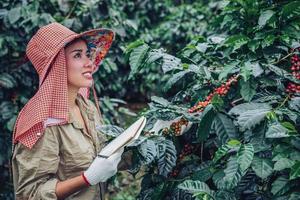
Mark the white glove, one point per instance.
(102, 169)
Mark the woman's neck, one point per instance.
(72, 95)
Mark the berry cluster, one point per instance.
(292, 88)
(295, 61)
(187, 150)
(176, 126)
(174, 173)
(221, 91)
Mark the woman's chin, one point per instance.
(89, 83)
(85, 84)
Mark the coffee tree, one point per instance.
(227, 125)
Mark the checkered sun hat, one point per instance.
(49, 105)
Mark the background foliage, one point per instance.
(244, 138)
(243, 144)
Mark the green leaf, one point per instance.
(207, 118)
(250, 114)
(196, 187)
(266, 98)
(251, 118)
(291, 9)
(14, 15)
(154, 55)
(134, 45)
(276, 130)
(159, 190)
(148, 151)
(175, 78)
(248, 89)
(137, 58)
(245, 71)
(231, 169)
(166, 160)
(253, 45)
(292, 115)
(234, 143)
(232, 172)
(264, 17)
(294, 196)
(131, 23)
(237, 110)
(294, 103)
(279, 184)
(227, 70)
(202, 47)
(110, 130)
(7, 110)
(268, 41)
(222, 195)
(283, 73)
(255, 68)
(262, 167)
(289, 126)
(161, 101)
(221, 152)
(202, 175)
(7, 81)
(217, 101)
(170, 62)
(245, 156)
(224, 128)
(236, 41)
(10, 124)
(295, 171)
(283, 163)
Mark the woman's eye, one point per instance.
(88, 55)
(77, 55)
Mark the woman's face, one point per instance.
(79, 65)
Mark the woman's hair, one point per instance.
(76, 40)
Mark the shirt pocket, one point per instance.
(76, 159)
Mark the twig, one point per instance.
(72, 10)
(284, 101)
(235, 101)
(278, 61)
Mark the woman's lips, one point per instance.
(88, 75)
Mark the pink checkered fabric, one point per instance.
(46, 52)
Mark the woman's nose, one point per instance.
(88, 63)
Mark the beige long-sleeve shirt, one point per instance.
(62, 152)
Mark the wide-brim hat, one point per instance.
(49, 106)
(50, 39)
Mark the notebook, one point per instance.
(124, 139)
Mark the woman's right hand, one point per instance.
(102, 169)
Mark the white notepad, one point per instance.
(124, 139)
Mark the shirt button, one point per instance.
(38, 134)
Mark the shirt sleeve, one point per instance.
(34, 170)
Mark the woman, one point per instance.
(55, 135)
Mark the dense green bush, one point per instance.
(243, 142)
(130, 19)
(238, 87)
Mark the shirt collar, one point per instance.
(84, 107)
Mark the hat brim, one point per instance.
(98, 43)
